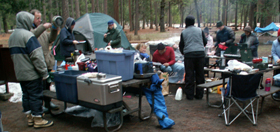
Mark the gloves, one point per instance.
(145, 55)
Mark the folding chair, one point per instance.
(243, 88)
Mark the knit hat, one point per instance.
(206, 30)
(160, 46)
(73, 23)
(110, 22)
(219, 24)
(248, 29)
(278, 33)
(189, 20)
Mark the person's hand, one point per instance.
(223, 43)
(47, 25)
(166, 64)
(278, 61)
(75, 42)
(105, 35)
(109, 44)
(46, 77)
(179, 61)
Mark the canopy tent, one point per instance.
(270, 27)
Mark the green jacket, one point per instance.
(113, 35)
(45, 39)
(26, 51)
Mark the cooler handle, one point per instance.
(114, 88)
(88, 81)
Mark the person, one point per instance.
(30, 69)
(251, 39)
(166, 56)
(113, 36)
(225, 37)
(275, 52)
(210, 44)
(45, 39)
(142, 49)
(67, 38)
(192, 42)
(179, 58)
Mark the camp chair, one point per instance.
(243, 88)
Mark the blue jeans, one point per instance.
(178, 69)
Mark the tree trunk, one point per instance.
(77, 9)
(65, 10)
(92, 6)
(169, 13)
(182, 15)
(86, 6)
(44, 11)
(51, 12)
(105, 7)
(211, 8)
(121, 8)
(57, 9)
(197, 13)
(245, 16)
(151, 15)
(97, 6)
(161, 20)
(72, 9)
(116, 10)
(130, 16)
(219, 10)
(224, 12)
(144, 19)
(241, 16)
(136, 17)
(4, 19)
(156, 14)
(236, 9)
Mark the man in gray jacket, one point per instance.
(45, 39)
(30, 69)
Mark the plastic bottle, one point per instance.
(267, 84)
(179, 94)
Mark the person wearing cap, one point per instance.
(192, 43)
(67, 38)
(113, 36)
(251, 40)
(165, 55)
(225, 36)
(275, 52)
(209, 38)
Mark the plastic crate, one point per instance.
(276, 80)
(116, 63)
(66, 85)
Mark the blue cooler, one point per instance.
(116, 63)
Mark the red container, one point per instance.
(81, 66)
(267, 84)
(257, 60)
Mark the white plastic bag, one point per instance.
(234, 64)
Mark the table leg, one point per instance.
(209, 104)
(140, 108)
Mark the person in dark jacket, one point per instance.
(225, 36)
(113, 36)
(30, 69)
(192, 43)
(251, 39)
(67, 38)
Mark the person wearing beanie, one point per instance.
(67, 38)
(275, 52)
(191, 45)
(113, 36)
(251, 40)
(225, 37)
(209, 44)
(166, 56)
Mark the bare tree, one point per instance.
(156, 14)
(161, 18)
(197, 13)
(50, 12)
(86, 6)
(72, 8)
(224, 12)
(116, 10)
(105, 6)
(77, 9)
(169, 13)
(130, 15)
(44, 10)
(136, 17)
(65, 10)
(236, 9)
(97, 6)
(219, 10)
(245, 15)
(151, 15)
(57, 9)
(121, 8)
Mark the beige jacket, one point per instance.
(46, 39)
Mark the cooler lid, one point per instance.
(108, 78)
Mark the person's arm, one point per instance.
(217, 39)
(154, 58)
(64, 39)
(274, 52)
(117, 40)
(204, 39)
(52, 36)
(172, 57)
(106, 39)
(39, 30)
(35, 52)
(210, 41)
(256, 41)
(181, 44)
(231, 37)
(241, 39)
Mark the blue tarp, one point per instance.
(270, 27)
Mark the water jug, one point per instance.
(179, 94)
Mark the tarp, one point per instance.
(93, 26)
(270, 27)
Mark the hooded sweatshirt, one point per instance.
(67, 38)
(26, 52)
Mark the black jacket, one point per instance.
(66, 42)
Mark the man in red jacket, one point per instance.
(166, 56)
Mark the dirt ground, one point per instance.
(188, 115)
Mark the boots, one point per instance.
(30, 120)
(39, 122)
